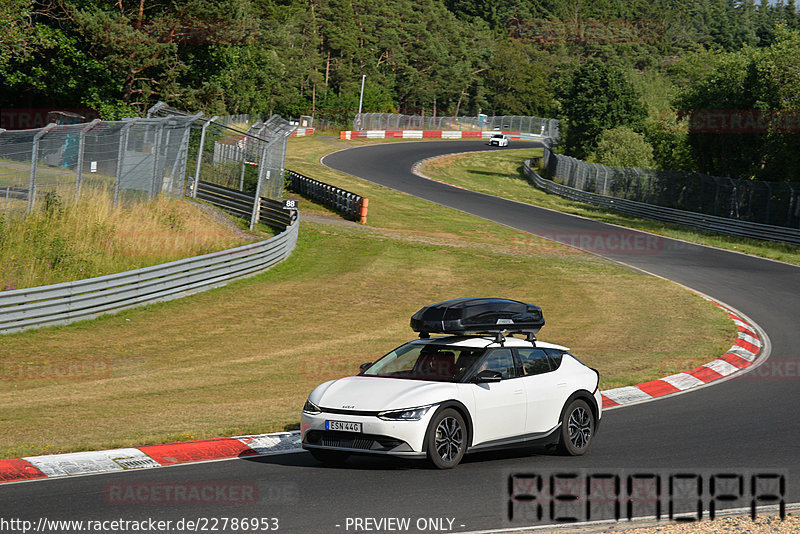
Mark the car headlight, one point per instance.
(311, 408)
(407, 414)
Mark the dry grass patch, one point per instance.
(63, 241)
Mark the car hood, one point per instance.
(376, 394)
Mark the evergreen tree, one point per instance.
(598, 98)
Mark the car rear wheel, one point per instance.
(577, 428)
(446, 439)
(329, 457)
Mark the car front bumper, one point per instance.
(394, 438)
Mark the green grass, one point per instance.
(242, 359)
(500, 173)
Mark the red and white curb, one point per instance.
(740, 356)
(147, 456)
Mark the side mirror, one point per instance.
(365, 366)
(488, 376)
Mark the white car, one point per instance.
(498, 140)
(441, 397)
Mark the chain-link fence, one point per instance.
(773, 203)
(167, 152)
(128, 157)
(509, 123)
(234, 153)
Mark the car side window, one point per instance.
(500, 360)
(555, 357)
(534, 361)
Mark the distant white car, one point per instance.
(441, 397)
(498, 140)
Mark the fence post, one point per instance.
(123, 146)
(243, 152)
(257, 199)
(792, 200)
(156, 157)
(196, 183)
(5, 207)
(81, 150)
(183, 154)
(34, 162)
(283, 158)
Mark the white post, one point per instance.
(81, 149)
(196, 183)
(256, 215)
(360, 101)
(34, 163)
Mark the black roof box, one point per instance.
(473, 316)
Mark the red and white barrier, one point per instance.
(302, 132)
(426, 134)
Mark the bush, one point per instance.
(623, 147)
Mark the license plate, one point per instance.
(343, 425)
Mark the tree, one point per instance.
(519, 79)
(598, 98)
(17, 31)
(623, 147)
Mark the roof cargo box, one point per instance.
(473, 316)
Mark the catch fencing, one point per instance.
(233, 153)
(545, 128)
(768, 203)
(702, 221)
(166, 153)
(131, 157)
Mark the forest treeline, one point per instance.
(709, 85)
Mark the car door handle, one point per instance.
(561, 385)
(518, 392)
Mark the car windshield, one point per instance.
(418, 361)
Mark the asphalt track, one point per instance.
(748, 425)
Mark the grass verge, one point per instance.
(64, 240)
(499, 173)
(241, 359)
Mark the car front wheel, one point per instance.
(577, 428)
(446, 439)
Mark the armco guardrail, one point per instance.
(348, 204)
(67, 302)
(702, 221)
(240, 204)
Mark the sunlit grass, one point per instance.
(242, 359)
(500, 173)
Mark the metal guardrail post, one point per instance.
(200, 155)
(123, 146)
(81, 150)
(34, 163)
